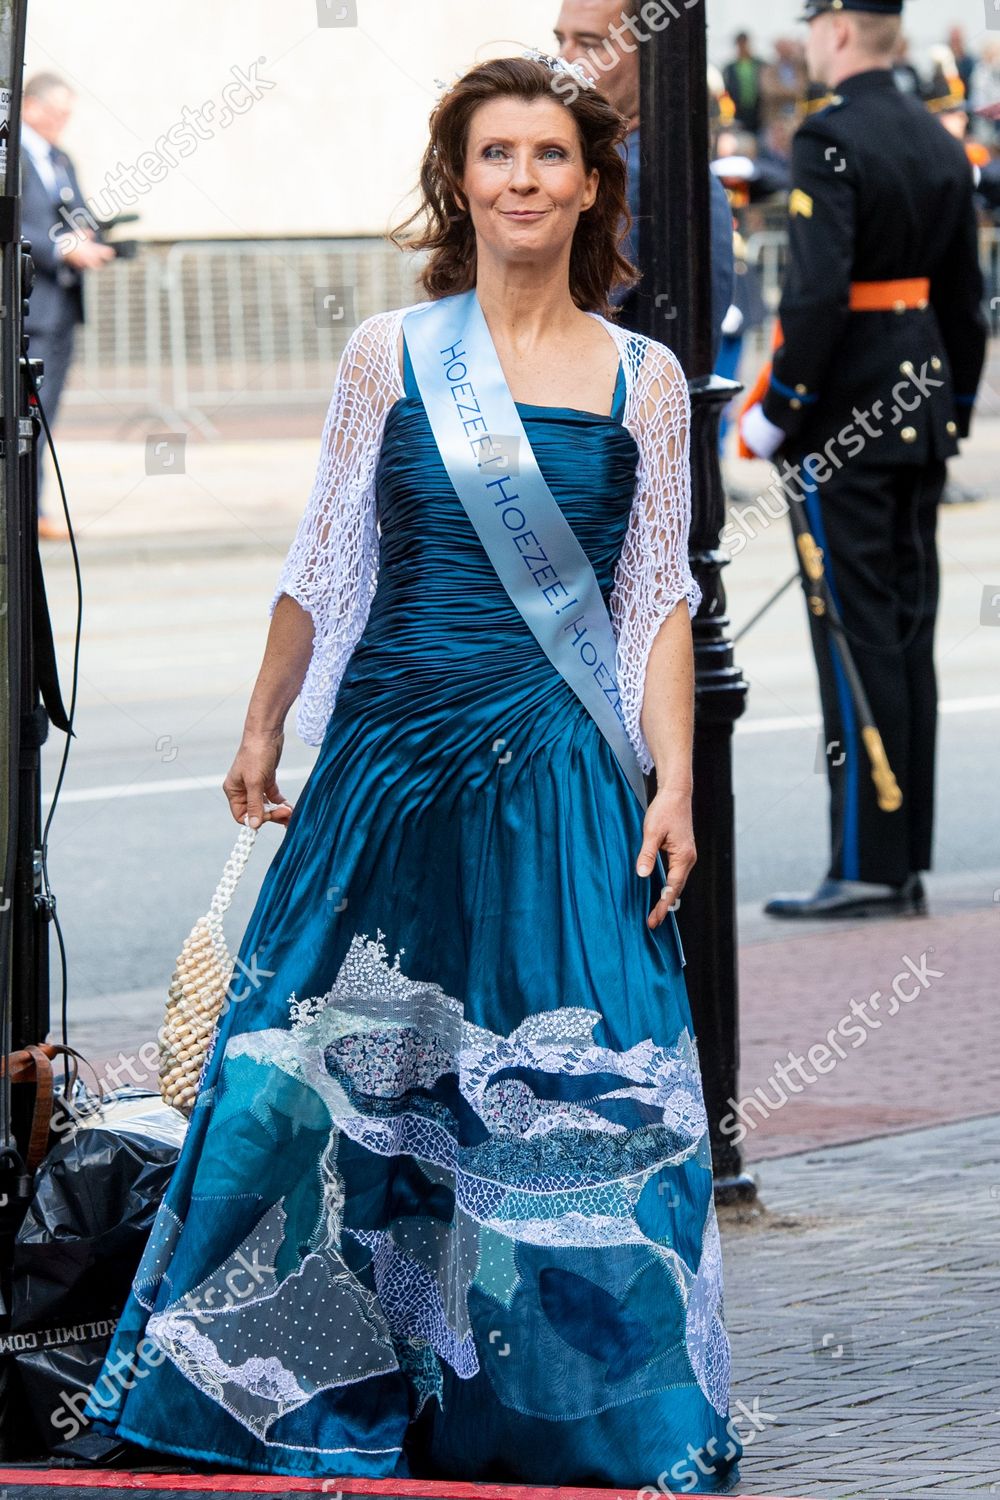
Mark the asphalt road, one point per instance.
(172, 641)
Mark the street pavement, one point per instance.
(865, 1319)
(890, 1244)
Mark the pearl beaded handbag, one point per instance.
(198, 989)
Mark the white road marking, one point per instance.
(985, 704)
(157, 788)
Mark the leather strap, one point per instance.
(22, 1067)
(33, 1064)
(38, 1141)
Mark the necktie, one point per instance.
(64, 188)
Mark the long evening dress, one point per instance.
(444, 1207)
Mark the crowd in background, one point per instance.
(757, 102)
(755, 91)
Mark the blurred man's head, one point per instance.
(743, 44)
(595, 34)
(735, 143)
(844, 42)
(778, 135)
(47, 104)
(956, 41)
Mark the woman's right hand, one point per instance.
(252, 778)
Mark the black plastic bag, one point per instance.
(77, 1250)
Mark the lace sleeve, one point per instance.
(653, 573)
(332, 565)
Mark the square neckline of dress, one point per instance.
(412, 393)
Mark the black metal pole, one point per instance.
(12, 551)
(674, 305)
(25, 975)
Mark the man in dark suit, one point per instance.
(870, 391)
(64, 244)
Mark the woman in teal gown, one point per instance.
(444, 1206)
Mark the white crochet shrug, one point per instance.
(332, 565)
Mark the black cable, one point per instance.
(71, 713)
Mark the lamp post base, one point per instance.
(707, 918)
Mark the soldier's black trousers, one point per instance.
(877, 529)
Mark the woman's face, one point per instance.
(525, 183)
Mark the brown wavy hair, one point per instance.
(596, 266)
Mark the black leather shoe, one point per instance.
(854, 898)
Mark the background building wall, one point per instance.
(332, 141)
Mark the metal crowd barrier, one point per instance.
(767, 255)
(186, 330)
(119, 363)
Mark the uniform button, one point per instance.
(906, 368)
(909, 434)
(952, 429)
(923, 304)
(935, 363)
(795, 404)
(802, 390)
(899, 307)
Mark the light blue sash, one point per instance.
(532, 546)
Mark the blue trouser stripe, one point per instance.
(850, 859)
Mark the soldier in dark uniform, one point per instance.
(871, 388)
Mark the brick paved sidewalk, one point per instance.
(865, 1319)
(924, 1060)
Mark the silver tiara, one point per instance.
(555, 64)
(560, 65)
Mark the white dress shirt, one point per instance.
(38, 149)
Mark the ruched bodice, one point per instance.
(437, 590)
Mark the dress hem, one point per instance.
(239, 1465)
(120, 1430)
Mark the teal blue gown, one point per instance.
(444, 1205)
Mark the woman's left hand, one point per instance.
(668, 827)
